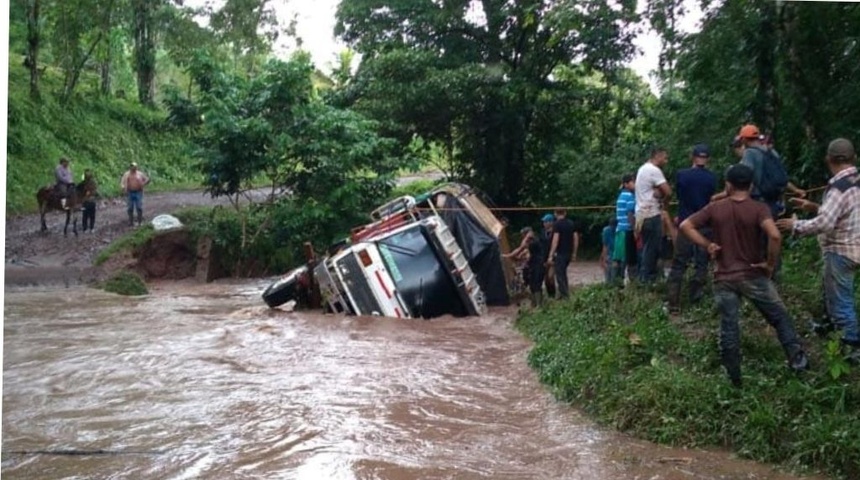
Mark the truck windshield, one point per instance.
(421, 277)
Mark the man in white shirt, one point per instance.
(652, 191)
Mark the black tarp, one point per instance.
(481, 249)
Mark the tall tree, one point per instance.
(248, 28)
(144, 34)
(495, 56)
(34, 40)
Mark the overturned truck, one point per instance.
(422, 257)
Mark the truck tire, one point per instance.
(285, 288)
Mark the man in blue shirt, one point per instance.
(624, 251)
(695, 186)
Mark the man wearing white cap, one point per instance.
(132, 184)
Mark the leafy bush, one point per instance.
(130, 241)
(617, 355)
(126, 283)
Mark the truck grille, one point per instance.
(356, 284)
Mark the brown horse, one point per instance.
(49, 199)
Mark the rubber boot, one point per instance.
(696, 292)
(674, 297)
(537, 299)
(63, 204)
(130, 219)
(139, 218)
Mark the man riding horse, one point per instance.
(65, 181)
(64, 195)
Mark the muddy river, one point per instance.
(203, 381)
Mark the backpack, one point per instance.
(774, 177)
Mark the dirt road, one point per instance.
(33, 257)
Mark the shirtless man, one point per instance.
(132, 184)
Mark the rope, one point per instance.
(575, 207)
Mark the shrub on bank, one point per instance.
(126, 283)
(616, 354)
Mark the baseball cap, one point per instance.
(841, 148)
(739, 174)
(548, 218)
(701, 150)
(749, 131)
(133, 164)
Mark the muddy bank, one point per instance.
(49, 258)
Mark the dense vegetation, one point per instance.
(529, 100)
(616, 354)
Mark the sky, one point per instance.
(316, 19)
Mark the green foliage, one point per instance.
(617, 355)
(101, 134)
(429, 70)
(126, 283)
(127, 243)
(274, 126)
(414, 189)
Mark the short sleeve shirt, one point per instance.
(648, 179)
(737, 230)
(608, 235)
(565, 229)
(626, 203)
(696, 186)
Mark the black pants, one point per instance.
(89, 220)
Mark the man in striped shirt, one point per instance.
(624, 250)
(837, 225)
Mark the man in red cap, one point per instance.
(766, 187)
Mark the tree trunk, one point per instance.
(105, 85)
(33, 41)
(73, 75)
(766, 109)
(799, 81)
(144, 51)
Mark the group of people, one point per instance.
(548, 254)
(738, 229)
(132, 184)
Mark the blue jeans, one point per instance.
(560, 264)
(839, 294)
(135, 202)
(763, 295)
(652, 237)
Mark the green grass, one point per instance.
(126, 283)
(615, 354)
(104, 134)
(130, 241)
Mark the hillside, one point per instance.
(104, 134)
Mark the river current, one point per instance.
(204, 382)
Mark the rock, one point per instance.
(166, 222)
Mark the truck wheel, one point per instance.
(284, 289)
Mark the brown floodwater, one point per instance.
(203, 381)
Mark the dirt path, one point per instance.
(36, 258)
